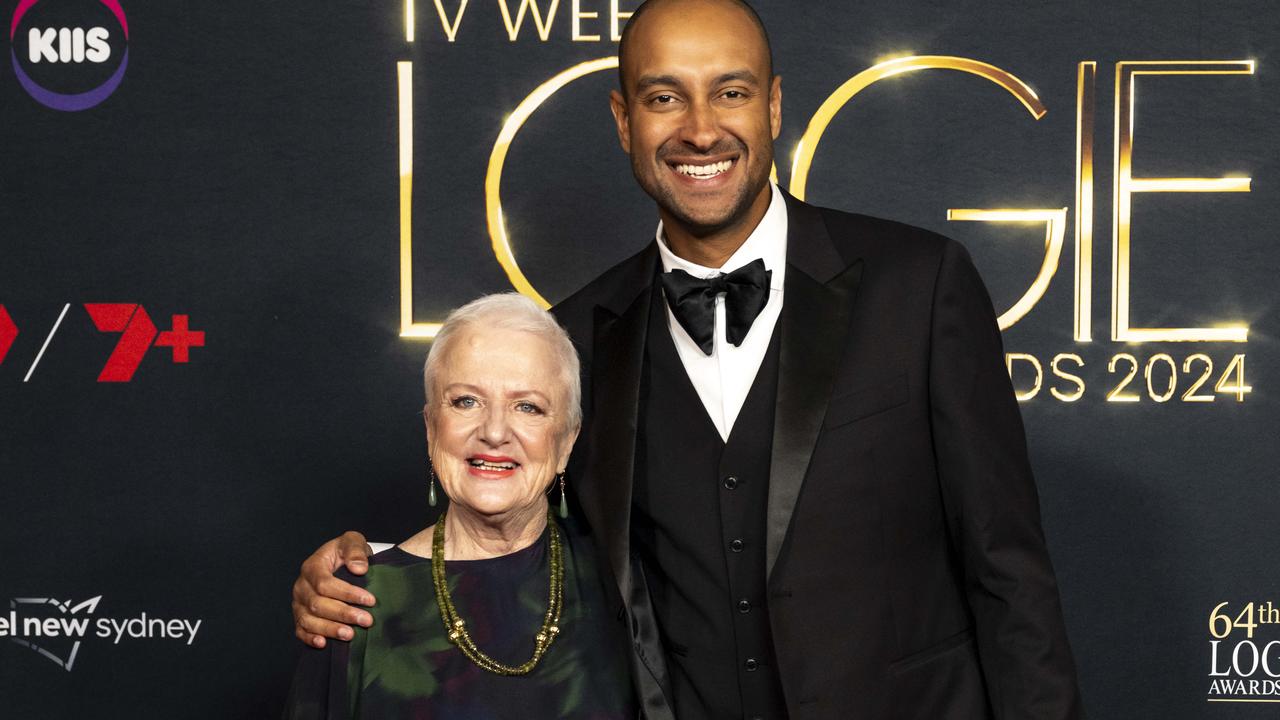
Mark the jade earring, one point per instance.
(431, 493)
(564, 503)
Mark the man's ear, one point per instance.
(775, 106)
(621, 118)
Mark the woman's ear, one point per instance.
(426, 421)
(566, 448)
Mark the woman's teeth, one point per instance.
(702, 172)
(491, 465)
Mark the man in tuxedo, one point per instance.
(801, 455)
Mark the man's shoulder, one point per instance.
(576, 312)
(859, 235)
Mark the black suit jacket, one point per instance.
(907, 570)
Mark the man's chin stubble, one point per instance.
(694, 226)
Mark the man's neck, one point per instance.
(713, 249)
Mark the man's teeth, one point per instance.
(475, 462)
(705, 171)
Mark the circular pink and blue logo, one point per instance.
(68, 45)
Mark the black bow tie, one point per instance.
(693, 301)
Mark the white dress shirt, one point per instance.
(724, 377)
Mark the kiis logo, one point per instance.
(65, 46)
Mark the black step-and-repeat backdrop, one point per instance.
(226, 231)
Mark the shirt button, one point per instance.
(730, 483)
(751, 664)
(744, 606)
(736, 545)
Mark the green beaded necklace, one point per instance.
(456, 628)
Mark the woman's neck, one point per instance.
(471, 536)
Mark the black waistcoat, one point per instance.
(698, 522)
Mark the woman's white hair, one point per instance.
(509, 311)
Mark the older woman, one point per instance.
(494, 611)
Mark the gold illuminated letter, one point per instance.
(1125, 185)
(1055, 222)
(1009, 359)
(544, 26)
(578, 17)
(497, 158)
(1054, 219)
(451, 29)
(404, 99)
(856, 84)
(1076, 380)
(616, 17)
(493, 181)
(1086, 74)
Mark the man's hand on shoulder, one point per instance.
(323, 605)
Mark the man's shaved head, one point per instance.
(644, 7)
(697, 112)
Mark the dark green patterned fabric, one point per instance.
(405, 667)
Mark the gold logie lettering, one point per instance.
(1086, 74)
(1076, 380)
(404, 107)
(1191, 395)
(1126, 185)
(615, 20)
(578, 17)
(543, 24)
(1117, 393)
(498, 157)
(1054, 219)
(822, 118)
(1009, 359)
(1055, 222)
(1172, 384)
(451, 29)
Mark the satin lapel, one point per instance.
(618, 357)
(819, 295)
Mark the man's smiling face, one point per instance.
(698, 112)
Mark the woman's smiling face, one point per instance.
(498, 428)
